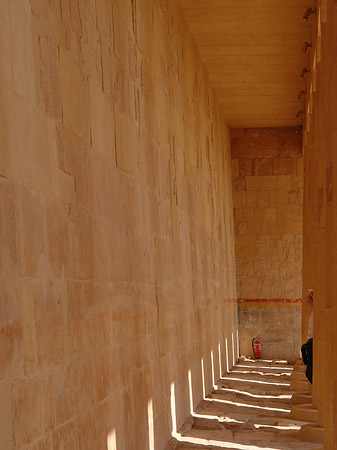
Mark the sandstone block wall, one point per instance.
(116, 226)
(278, 323)
(267, 172)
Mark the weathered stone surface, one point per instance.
(116, 224)
(319, 237)
(27, 397)
(250, 408)
(278, 326)
(268, 226)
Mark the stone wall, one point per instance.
(267, 173)
(117, 253)
(278, 323)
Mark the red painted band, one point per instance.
(269, 300)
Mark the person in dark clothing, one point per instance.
(307, 348)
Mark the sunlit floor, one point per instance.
(248, 411)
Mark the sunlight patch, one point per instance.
(247, 405)
(221, 444)
(112, 441)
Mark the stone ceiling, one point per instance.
(253, 53)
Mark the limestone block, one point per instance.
(297, 182)
(68, 146)
(11, 336)
(66, 436)
(8, 247)
(240, 199)
(57, 236)
(102, 189)
(251, 199)
(85, 104)
(283, 196)
(269, 182)
(235, 167)
(71, 94)
(264, 166)
(25, 143)
(27, 397)
(5, 39)
(300, 167)
(240, 184)
(62, 183)
(246, 167)
(290, 139)
(241, 228)
(29, 350)
(80, 266)
(164, 180)
(49, 323)
(85, 423)
(107, 50)
(254, 183)
(42, 444)
(67, 396)
(50, 77)
(31, 233)
(22, 55)
(285, 166)
(283, 182)
(105, 246)
(270, 214)
(103, 375)
(123, 12)
(241, 149)
(104, 18)
(102, 123)
(127, 52)
(127, 139)
(297, 212)
(77, 319)
(243, 214)
(91, 53)
(263, 199)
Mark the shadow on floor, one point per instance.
(248, 410)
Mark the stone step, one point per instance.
(305, 412)
(299, 386)
(299, 367)
(311, 433)
(254, 407)
(298, 375)
(301, 399)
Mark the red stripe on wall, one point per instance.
(269, 300)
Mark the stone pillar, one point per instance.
(320, 211)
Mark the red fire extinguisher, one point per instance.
(256, 344)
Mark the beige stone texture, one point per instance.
(252, 407)
(117, 265)
(127, 225)
(319, 250)
(268, 236)
(277, 325)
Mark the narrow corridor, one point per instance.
(168, 192)
(251, 409)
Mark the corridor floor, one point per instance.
(248, 410)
